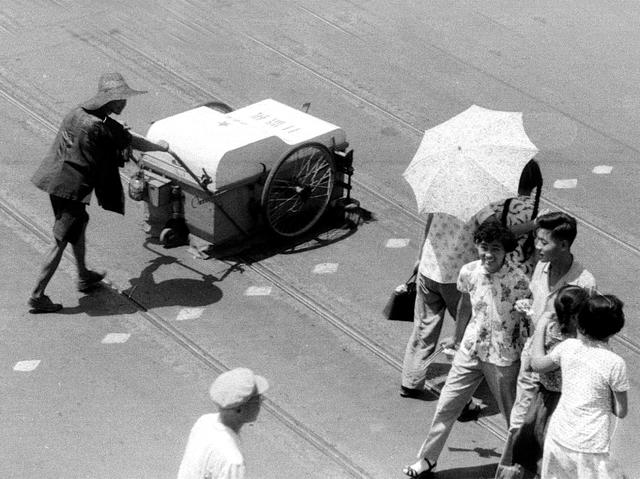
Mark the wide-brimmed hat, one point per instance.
(236, 387)
(111, 86)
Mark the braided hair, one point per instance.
(530, 178)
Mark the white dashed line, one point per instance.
(115, 338)
(258, 291)
(325, 268)
(397, 243)
(26, 366)
(186, 314)
(565, 184)
(602, 170)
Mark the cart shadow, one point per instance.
(332, 228)
(187, 292)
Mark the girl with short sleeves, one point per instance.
(528, 440)
(594, 386)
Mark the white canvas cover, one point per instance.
(234, 146)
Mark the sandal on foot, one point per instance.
(89, 281)
(411, 472)
(43, 304)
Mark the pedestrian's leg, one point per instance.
(463, 379)
(40, 302)
(502, 384)
(427, 324)
(87, 279)
(451, 296)
(526, 389)
(51, 262)
(79, 252)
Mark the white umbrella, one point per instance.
(469, 161)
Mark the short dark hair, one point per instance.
(492, 230)
(601, 316)
(563, 227)
(569, 301)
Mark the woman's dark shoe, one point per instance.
(411, 393)
(471, 412)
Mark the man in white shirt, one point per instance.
(213, 450)
(557, 267)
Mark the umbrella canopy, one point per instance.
(469, 161)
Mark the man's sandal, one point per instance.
(411, 472)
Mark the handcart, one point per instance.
(229, 173)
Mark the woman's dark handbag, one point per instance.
(401, 303)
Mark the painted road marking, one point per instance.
(115, 338)
(325, 268)
(189, 313)
(602, 170)
(26, 366)
(258, 291)
(565, 184)
(397, 243)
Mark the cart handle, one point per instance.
(204, 187)
(200, 182)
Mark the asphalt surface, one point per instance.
(384, 72)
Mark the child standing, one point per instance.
(528, 440)
(492, 342)
(594, 386)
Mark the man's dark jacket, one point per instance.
(86, 155)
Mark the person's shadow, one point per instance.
(472, 472)
(101, 301)
(486, 471)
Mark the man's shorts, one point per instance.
(71, 219)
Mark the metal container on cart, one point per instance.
(230, 174)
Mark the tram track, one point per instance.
(210, 361)
(195, 90)
(276, 278)
(118, 47)
(190, 91)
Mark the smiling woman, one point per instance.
(492, 342)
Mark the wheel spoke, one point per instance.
(298, 191)
(283, 203)
(325, 178)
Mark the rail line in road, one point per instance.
(122, 49)
(193, 89)
(190, 90)
(209, 360)
(276, 278)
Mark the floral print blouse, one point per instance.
(497, 331)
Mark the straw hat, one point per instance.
(111, 86)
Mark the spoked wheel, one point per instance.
(298, 190)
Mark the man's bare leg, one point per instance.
(52, 260)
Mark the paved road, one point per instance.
(384, 71)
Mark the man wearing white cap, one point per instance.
(213, 450)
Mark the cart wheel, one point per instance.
(168, 237)
(298, 189)
(219, 106)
